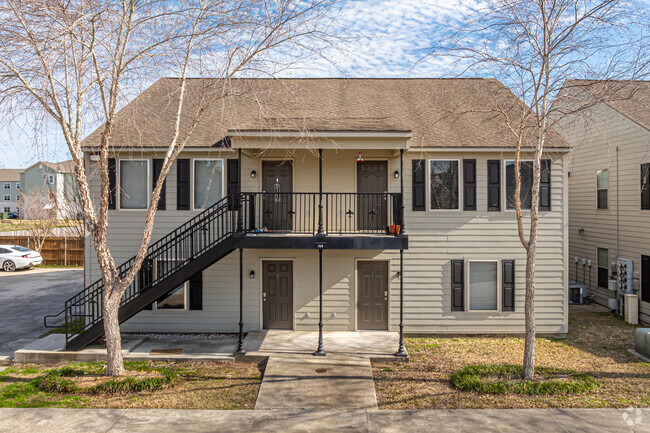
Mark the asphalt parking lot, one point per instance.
(28, 295)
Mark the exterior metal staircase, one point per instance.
(186, 251)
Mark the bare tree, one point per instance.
(533, 47)
(78, 61)
(40, 211)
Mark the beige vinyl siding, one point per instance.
(595, 137)
(435, 238)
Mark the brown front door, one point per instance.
(372, 177)
(277, 294)
(277, 183)
(372, 306)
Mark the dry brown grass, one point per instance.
(198, 385)
(597, 345)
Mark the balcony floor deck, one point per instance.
(306, 241)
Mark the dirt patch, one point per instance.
(596, 345)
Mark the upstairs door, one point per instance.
(277, 183)
(277, 294)
(372, 177)
(372, 305)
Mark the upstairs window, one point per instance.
(7, 185)
(50, 179)
(7, 197)
(602, 183)
(17, 185)
(444, 184)
(645, 186)
(603, 267)
(208, 182)
(134, 183)
(17, 197)
(526, 173)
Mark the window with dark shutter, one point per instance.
(157, 168)
(545, 185)
(494, 185)
(112, 183)
(232, 185)
(196, 292)
(645, 278)
(419, 188)
(469, 184)
(645, 186)
(457, 285)
(508, 278)
(183, 184)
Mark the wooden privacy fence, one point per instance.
(60, 251)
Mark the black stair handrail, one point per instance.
(177, 248)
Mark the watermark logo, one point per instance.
(632, 416)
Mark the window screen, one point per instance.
(208, 182)
(134, 191)
(444, 184)
(526, 172)
(483, 286)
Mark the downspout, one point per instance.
(617, 206)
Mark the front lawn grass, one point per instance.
(594, 354)
(160, 385)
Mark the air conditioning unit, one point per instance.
(577, 293)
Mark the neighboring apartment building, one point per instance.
(56, 182)
(609, 185)
(9, 190)
(325, 169)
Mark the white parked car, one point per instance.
(14, 257)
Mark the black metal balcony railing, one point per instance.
(342, 213)
(307, 213)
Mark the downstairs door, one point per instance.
(372, 305)
(277, 294)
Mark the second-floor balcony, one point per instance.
(313, 213)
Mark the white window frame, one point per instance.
(600, 189)
(50, 179)
(469, 287)
(6, 197)
(17, 185)
(17, 197)
(428, 185)
(118, 190)
(223, 179)
(7, 209)
(7, 185)
(186, 291)
(505, 186)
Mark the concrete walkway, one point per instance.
(171, 421)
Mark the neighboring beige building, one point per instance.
(609, 195)
(383, 142)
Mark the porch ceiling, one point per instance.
(355, 140)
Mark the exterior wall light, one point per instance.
(251, 275)
(396, 174)
(253, 174)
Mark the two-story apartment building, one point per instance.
(360, 204)
(10, 190)
(609, 185)
(55, 183)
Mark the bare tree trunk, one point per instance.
(529, 311)
(115, 360)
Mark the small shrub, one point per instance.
(133, 384)
(504, 379)
(54, 383)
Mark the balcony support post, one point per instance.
(240, 345)
(320, 351)
(401, 351)
(238, 200)
(320, 193)
(401, 190)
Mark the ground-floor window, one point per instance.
(483, 285)
(603, 267)
(7, 209)
(177, 298)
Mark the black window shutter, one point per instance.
(196, 292)
(457, 285)
(645, 186)
(233, 181)
(645, 278)
(157, 168)
(545, 185)
(469, 184)
(112, 181)
(508, 285)
(419, 188)
(146, 277)
(494, 185)
(183, 184)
